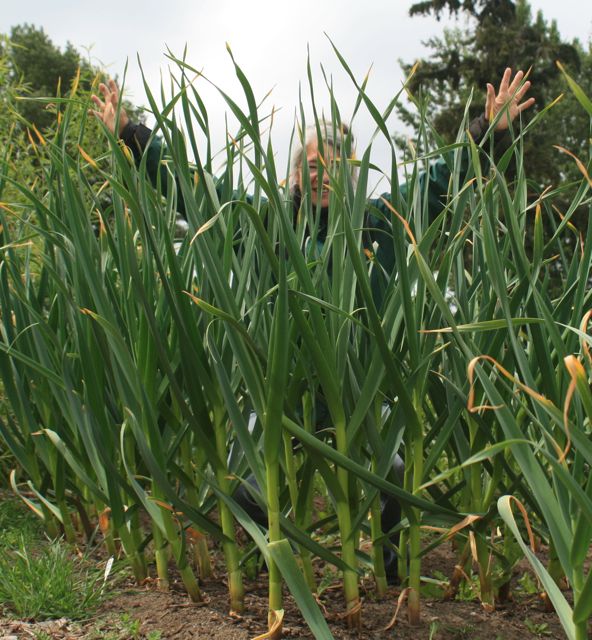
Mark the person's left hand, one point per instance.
(507, 99)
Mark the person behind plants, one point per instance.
(504, 105)
(507, 103)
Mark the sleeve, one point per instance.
(136, 137)
(139, 139)
(378, 222)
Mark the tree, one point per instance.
(43, 68)
(16, 159)
(32, 66)
(501, 34)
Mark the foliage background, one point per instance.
(501, 33)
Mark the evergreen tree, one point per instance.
(43, 68)
(32, 66)
(502, 33)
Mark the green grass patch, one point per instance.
(42, 579)
(49, 582)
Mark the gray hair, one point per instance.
(331, 135)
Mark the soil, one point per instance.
(154, 614)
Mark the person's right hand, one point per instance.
(106, 110)
(508, 99)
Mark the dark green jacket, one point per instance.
(378, 226)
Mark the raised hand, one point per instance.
(106, 109)
(508, 99)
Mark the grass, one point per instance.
(43, 579)
(49, 583)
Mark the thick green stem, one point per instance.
(304, 519)
(348, 552)
(377, 547)
(578, 581)
(201, 556)
(582, 631)
(135, 557)
(402, 565)
(273, 516)
(479, 501)
(138, 566)
(350, 577)
(231, 554)
(161, 557)
(170, 533)
(376, 524)
(190, 583)
(414, 572)
(185, 569)
(348, 540)
(413, 608)
(290, 470)
(130, 547)
(305, 556)
(129, 529)
(485, 574)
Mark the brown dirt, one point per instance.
(175, 618)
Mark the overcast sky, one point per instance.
(269, 40)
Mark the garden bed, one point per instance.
(144, 612)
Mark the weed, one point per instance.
(434, 587)
(464, 632)
(124, 627)
(131, 626)
(329, 578)
(528, 584)
(250, 563)
(469, 589)
(538, 629)
(101, 634)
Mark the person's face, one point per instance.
(318, 190)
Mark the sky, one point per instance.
(269, 40)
